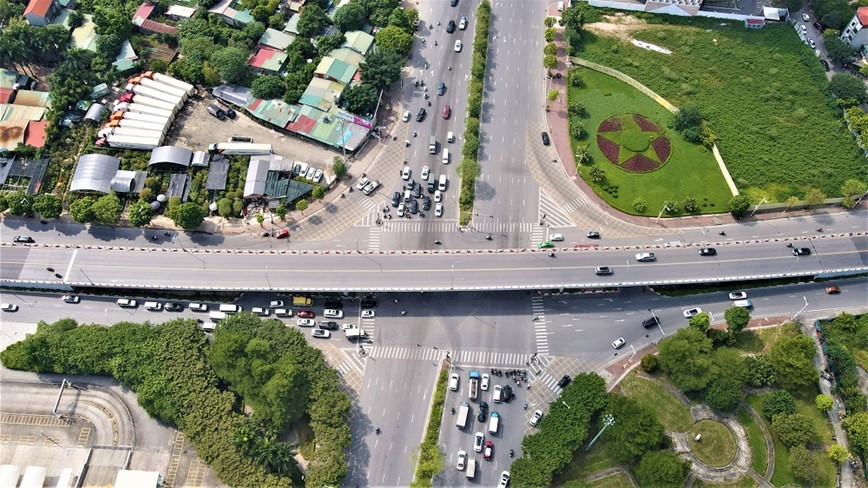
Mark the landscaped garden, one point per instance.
(762, 92)
(638, 162)
(716, 446)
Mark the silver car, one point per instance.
(537, 416)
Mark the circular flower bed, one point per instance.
(717, 446)
(633, 143)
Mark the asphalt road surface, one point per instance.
(508, 269)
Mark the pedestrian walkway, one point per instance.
(405, 226)
(539, 325)
(487, 359)
(374, 238)
(554, 214)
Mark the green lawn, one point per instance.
(717, 447)
(762, 91)
(586, 463)
(673, 414)
(755, 440)
(617, 480)
(782, 475)
(743, 482)
(690, 171)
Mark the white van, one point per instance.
(432, 145)
(229, 308)
(493, 423)
(127, 303)
(154, 306)
(262, 312)
(209, 326)
(450, 136)
(442, 184)
(445, 156)
(471, 469)
(743, 303)
(217, 317)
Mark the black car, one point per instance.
(333, 304)
(825, 65)
(417, 191)
(396, 199)
(328, 325)
(483, 412)
(564, 381)
(507, 393)
(441, 88)
(414, 207)
(23, 239)
(801, 251)
(545, 138)
(603, 270)
(370, 303)
(450, 27)
(707, 251)
(593, 235)
(648, 323)
(173, 307)
(453, 3)
(426, 203)
(420, 115)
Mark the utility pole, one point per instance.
(608, 420)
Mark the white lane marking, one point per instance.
(71, 261)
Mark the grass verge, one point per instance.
(306, 439)
(673, 414)
(717, 447)
(430, 458)
(691, 170)
(755, 439)
(586, 463)
(781, 475)
(468, 168)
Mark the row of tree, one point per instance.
(182, 380)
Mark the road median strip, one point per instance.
(430, 459)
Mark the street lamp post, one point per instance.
(608, 420)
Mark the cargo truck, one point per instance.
(216, 111)
(130, 131)
(190, 89)
(165, 88)
(302, 301)
(144, 109)
(156, 93)
(153, 102)
(473, 387)
(133, 142)
(152, 119)
(138, 124)
(356, 333)
(239, 148)
(463, 412)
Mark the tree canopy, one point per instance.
(268, 87)
(847, 86)
(107, 209)
(636, 429)
(794, 429)
(661, 468)
(351, 16)
(313, 20)
(361, 99)
(381, 68)
(737, 319)
(857, 432)
(231, 63)
(394, 39)
(140, 214)
(686, 357)
(791, 357)
(48, 206)
(188, 215)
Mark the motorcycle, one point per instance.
(377, 431)
(453, 410)
(789, 244)
(511, 453)
(488, 237)
(723, 232)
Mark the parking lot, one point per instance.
(509, 435)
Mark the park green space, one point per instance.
(672, 412)
(716, 447)
(691, 170)
(755, 439)
(851, 340)
(762, 91)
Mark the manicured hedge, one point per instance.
(430, 460)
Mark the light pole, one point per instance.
(665, 208)
(801, 309)
(764, 200)
(608, 420)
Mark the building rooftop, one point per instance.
(321, 93)
(335, 69)
(94, 172)
(359, 41)
(268, 59)
(276, 39)
(38, 7)
(84, 36)
(862, 14)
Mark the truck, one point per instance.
(153, 102)
(216, 111)
(190, 89)
(463, 412)
(130, 131)
(356, 333)
(144, 109)
(217, 317)
(302, 301)
(133, 142)
(473, 387)
(152, 119)
(241, 148)
(138, 124)
(149, 91)
(165, 88)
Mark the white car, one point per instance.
(737, 295)
(349, 326)
(462, 24)
(306, 323)
(406, 116)
(425, 172)
(643, 257)
(504, 480)
(71, 299)
(9, 307)
(497, 396)
(401, 209)
(405, 173)
(438, 196)
(260, 311)
(454, 380)
(619, 342)
(478, 440)
(692, 312)
(535, 418)
(812, 43)
(282, 312)
(458, 46)
(462, 460)
(276, 304)
(362, 183)
(320, 334)
(368, 314)
(198, 307)
(556, 237)
(438, 210)
(484, 384)
(806, 18)
(331, 313)
(317, 176)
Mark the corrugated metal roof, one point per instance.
(84, 36)
(234, 94)
(257, 173)
(33, 98)
(180, 156)
(321, 93)
(35, 133)
(359, 41)
(124, 181)
(276, 39)
(335, 69)
(95, 112)
(268, 59)
(12, 134)
(275, 112)
(94, 172)
(348, 56)
(14, 113)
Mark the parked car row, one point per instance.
(307, 172)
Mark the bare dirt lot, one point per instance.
(195, 129)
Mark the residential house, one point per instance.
(359, 41)
(855, 33)
(225, 9)
(267, 60)
(141, 20)
(41, 12)
(275, 39)
(330, 68)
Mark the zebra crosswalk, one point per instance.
(549, 382)
(374, 238)
(504, 227)
(552, 213)
(405, 226)
(539, 325)
(480, 358)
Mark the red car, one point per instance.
(488, 450)
(306, 314)
(281, 234)
(446, 111)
